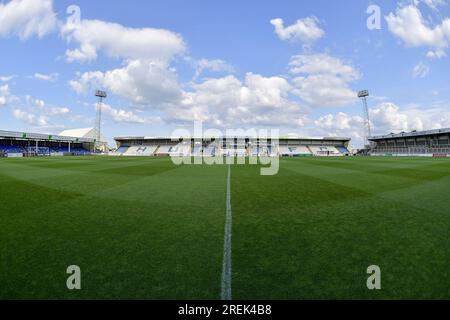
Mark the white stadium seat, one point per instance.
(140, 151)
(164, 150)
(210, 150)
(180, 150)
(294, 151)
(197, 151)
(323, 151)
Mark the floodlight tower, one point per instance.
(363, 96)
(98, 120)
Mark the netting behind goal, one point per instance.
(39, 151)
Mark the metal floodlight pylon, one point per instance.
(98, 121)
(363, 96)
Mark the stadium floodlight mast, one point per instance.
(98, 121)
(363, 96)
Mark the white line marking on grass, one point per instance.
(226, 265)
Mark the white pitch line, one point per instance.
(226, 265)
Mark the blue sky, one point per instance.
(230, 64)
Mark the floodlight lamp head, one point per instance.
(100, 94)
(364, 93)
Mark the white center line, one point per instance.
(226, 266)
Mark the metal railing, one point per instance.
(413, 150)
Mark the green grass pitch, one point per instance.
(142, 228)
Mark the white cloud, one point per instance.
(38, 103)
(27, 18)
(126, 116)
(215, 65)
(420, 71)
(40, 108)
(306, 31)
(31, 119)
(148, 82)
(4, 94)
(385, 118)
(6, 78)
(140, 82)
(324, 80)
(147, 77)
(58, 111)
(388, 117)
(117, 41)
(340, 121)
(52, 77)
(86, 81)
(341, 125)
(409, 25)
(32, 111)
(220, 102)
(433, 4)
(23, 116)
(270, 92)
(6, 98)
(4, 90)
(323, 64)
(438, 54)
(228, 101)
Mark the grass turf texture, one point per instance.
(142, 228)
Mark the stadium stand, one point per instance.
(197, 150)
(343, 150)
(88, 133)
(210, 150)
(234, 151)
(164, 150)
(266, 151)
(228, 148)
(294, 151)
(182, 149)
(235, 147)
(260, 151)
(325, 151)
(122, 150)
(11, 149)
(263, 149)
(241, 152)
(19, 144)
(253, 151)
(58, 150)
(140, 151)
(119, 151)
(416, 143)
(227, 152)
(38, 151)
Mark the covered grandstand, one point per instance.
(88, 133)
(20, 144)
(236, 147)
(416, 143)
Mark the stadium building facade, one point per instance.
(432, 143)
(20, 144)
(232, 146)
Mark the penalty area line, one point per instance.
(226, 265)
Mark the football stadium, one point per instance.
(141, 227)
(207, 155)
